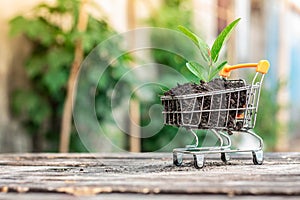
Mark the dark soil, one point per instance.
(214, 117)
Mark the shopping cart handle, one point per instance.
(261, 67)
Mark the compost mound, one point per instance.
(218, 110)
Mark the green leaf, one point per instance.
(55, 80)
(17, 25)
(190, 34)
(204, 48)
(35, 65)
(221, 39)
(37, 29)
(59, 58)
(197, 69)
(217, 70)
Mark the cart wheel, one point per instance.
(225, 157)
(177, 159)
(198, 161)
(258, 157)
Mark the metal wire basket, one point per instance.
(222, 115)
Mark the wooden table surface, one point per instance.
(146, 175)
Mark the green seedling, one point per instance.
(209, 55)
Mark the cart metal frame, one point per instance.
(217, 116)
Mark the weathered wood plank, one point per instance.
(133, 196)
(151, 173)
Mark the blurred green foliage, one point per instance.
(266, 122)
(52, 31)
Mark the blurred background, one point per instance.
(39, 41)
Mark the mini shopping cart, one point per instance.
(229, 111)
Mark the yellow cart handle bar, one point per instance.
(261, 67)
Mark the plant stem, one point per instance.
(209, 69)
